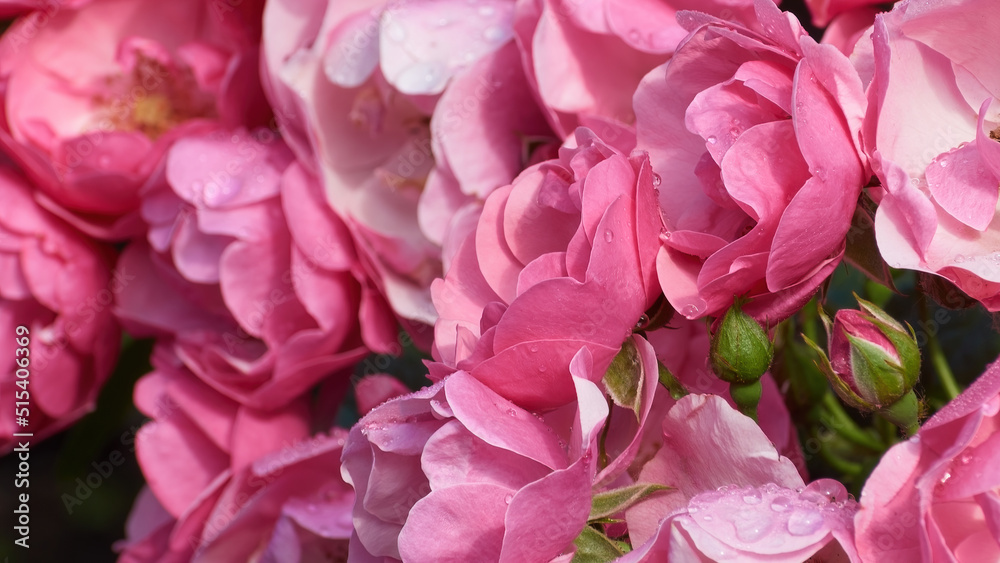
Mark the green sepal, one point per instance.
(740, 351)
(594, 547)
(612, 502)
(625, 377)
(667, 379)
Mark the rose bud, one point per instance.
(741, 352)
(873, 362)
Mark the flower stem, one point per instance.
(937, 357)
(840, 422)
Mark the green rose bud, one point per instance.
(741, 351)
(873, 362)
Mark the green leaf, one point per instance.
(625, 378)
(612, 502)
(594, 547)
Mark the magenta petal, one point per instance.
(455, 456)
(499, 422)
(178, 461)
(546, 516)
(460, 523)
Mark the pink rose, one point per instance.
(96, 93)
(457, 472)
(561, 258)
(940, 172)
(227, 481)
(251, 275)
(42, 9)
(934, 497)
(56, 292)
(734, 497)
(755, 132)
(586, 58)
(409, 111)
(825, 11)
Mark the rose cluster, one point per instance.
(602, 225)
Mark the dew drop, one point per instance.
(609, 236)
(542, 369)
(959, 259)
(712, 140)
(752, 497)
(494, 33)
(665, 236)
(656, 179)
(707, 518)
(508, 498)
(780, 504)
(753, 530)
(946, 477)
(690, 310)
(803, 522)
(511, 412)
(396, 32)
(634, 36)
(533, 348)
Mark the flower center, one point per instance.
(153, 98)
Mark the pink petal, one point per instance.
(963, 186)
(460, 523)
(499, 422)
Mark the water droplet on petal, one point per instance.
(780, 504)
(712, 140)
(656, 179)
(494, 33)
(690, 310)
(508, 498)
(804, 521)
(533, 348)
(542, 369)
(609, 236)
(752, 497)
(946, 477)
(634, 36)
(707, 518)
(396, 32)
